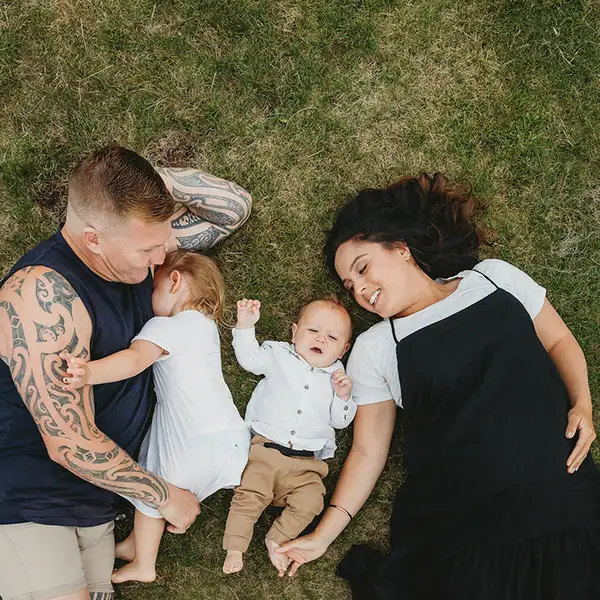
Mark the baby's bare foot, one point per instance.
(125, 550)
(133, 572)
(280, 561)
(234, 561)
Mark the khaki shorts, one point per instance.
(40, 562)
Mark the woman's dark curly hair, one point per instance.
(428, 213)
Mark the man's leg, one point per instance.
(210, 208)
(40, 562)
(98, 558)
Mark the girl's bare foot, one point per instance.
(234, 561)
(134, 572)
(125, 550)
(280, 561)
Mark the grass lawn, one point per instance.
(304, 102)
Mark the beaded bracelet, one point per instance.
(342, 509)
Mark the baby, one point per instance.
(292, 413)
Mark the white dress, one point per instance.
(197, 440)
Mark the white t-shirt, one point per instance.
(372, 364)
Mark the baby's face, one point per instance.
(322, 334)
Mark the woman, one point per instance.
(501, 499)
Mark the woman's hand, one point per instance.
(303, 550)
(580, 421)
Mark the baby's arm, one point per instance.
(116, 367)
(250, 354)
(343, 408)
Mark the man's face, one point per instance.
(132, 246)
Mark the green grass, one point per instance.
(303, 103)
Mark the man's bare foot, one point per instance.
(125, 550)
(133, 572)
(234, 561)
(280, 561)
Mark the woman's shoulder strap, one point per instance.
(488, 278)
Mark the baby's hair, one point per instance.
(207, 290)
(332, 299)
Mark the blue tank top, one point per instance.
(32, 486)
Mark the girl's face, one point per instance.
(380, 280)
(167, 293)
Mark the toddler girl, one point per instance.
(197, 440)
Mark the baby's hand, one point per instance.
(79, 372)
(342, 384)
(248, 313)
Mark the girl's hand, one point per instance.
(303, 550)
(248, 313)
(342, 384)
(580, 420)
(79, 372)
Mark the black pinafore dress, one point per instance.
(488, 510)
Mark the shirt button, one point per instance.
(346, 407)
(299, 412)
(293, 432)
(306, 386)
(312, 369)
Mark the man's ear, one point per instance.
(176, 280)
(91, 239)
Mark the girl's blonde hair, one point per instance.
(207, 290)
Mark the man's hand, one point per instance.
(248, 313)
(78, 372)
(342, 384)
(180, 510)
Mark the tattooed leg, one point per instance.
(210, 208)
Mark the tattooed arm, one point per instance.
(209, 208)
(42, 316)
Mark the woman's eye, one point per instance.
(362, 270)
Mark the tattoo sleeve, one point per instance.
(210, 208)
(42, 316)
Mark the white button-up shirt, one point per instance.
(294, 405)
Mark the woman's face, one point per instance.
(380, 279)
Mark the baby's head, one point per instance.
(323, 331)
(188, 281)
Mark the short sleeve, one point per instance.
(162, 331)
(518, 283)
(369, 386)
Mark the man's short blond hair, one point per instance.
(117, 182)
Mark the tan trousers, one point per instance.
(272, 478)
(39, 562)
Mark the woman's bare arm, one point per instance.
(568, 357)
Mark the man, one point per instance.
(87, 290)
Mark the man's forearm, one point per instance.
(108, 466)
